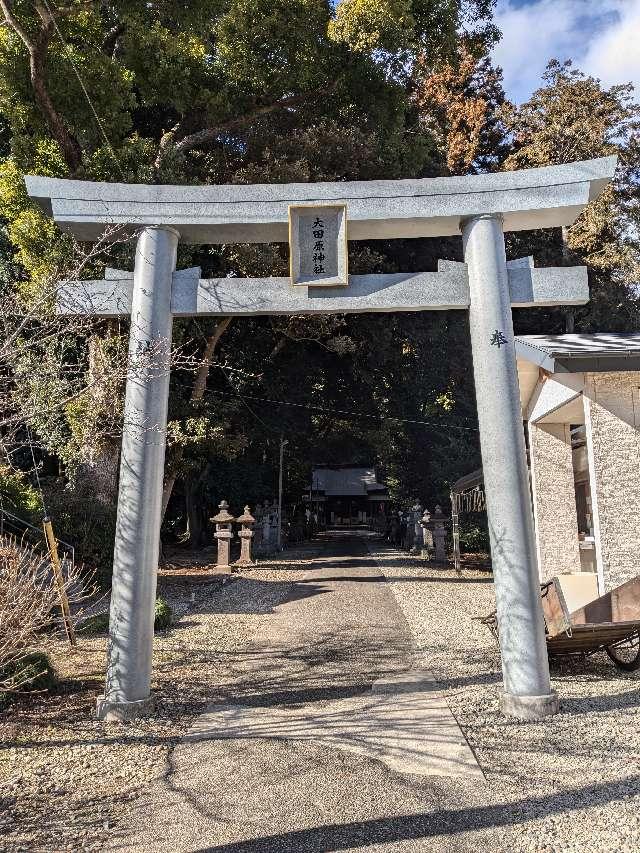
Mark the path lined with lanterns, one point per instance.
(267, 531)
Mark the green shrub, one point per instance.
(164, 616)
(18, 496)
(474, 536)
(31, 672)
(97, 624)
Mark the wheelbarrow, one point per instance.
(578, 622)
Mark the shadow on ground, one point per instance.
(451, 822)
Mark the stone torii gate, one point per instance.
(480, 207)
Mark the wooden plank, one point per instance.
(620, 605)
(585, 638)
(554, 610)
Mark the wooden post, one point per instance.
(57, 573)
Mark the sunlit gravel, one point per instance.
(570, 783)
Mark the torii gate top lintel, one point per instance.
(545, 197)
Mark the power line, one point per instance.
(246, 405)
(84, 89)
(378, 417)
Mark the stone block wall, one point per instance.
(612, 415)
(554, 501)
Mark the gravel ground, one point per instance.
(65, 779)
(568, 784)
(337, 629)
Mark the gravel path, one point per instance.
(336, 631)
(65, 779)
(568, 784)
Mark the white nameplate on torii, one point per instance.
(447, 289)
(318, 249)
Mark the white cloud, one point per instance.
(615, 55)
(602, 37)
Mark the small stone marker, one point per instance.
(318, 245)
(223, 521)
(246, 534)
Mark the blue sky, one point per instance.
(601, 36)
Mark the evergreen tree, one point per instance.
(573, 117)
(217, 91)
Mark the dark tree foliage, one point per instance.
(242, 91)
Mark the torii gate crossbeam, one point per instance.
(480, 207)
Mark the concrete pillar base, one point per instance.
(530, 707)
(121, 712)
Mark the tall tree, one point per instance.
(574, 117)
(213, 91)
(460, 102)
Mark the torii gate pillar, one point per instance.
(137, 541)
(525, 667)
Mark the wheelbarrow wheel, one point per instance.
(626, 655)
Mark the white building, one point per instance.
(580, 397)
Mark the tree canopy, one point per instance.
(242, 91)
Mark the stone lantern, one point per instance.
(246, 535)
(416, 530)
(427, 536)
(223, 521)
(437, 527)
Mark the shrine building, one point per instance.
(347, 496)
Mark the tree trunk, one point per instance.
(99, 452)
(194, 513)
(197, 393)
(37, 46)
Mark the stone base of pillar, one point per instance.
(530, 707)
(121, 712)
